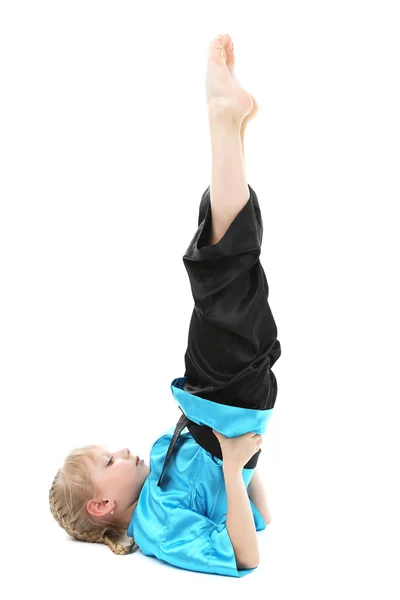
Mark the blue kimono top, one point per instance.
(184, 522)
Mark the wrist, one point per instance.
(231, 467)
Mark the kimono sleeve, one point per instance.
(192, 541)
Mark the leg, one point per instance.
(229, 189)
(228, 105)
(232, 335)
(225, 163)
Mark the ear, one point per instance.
(99, 508)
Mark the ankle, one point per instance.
(221, 113)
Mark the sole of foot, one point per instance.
(225, 97)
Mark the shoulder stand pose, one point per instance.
(199, 502)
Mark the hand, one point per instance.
(238, 450)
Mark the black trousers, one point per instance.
(232, 342)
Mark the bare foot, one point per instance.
(223, 92)
(230, 63)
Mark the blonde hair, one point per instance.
(72, 487)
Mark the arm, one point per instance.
(239, 521)
(257, 495)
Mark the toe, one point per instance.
(228, 43)
(230, 56)
(229, 52)
(216, 48)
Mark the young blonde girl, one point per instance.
(200, 501)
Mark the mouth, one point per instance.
(137, 460)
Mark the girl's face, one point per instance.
(118, 481)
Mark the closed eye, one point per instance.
(110, 461)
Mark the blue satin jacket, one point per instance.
(184, 522)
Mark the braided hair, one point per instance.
(72, 487)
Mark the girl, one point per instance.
(199, 502)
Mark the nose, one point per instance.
(125, 452)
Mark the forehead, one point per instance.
(96, 454)
(102, 451)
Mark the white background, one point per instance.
(105, 154)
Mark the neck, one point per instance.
(125, 518)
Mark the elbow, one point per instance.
(246, 567)
(254, 565)
(254, 562)
(249, 559)
(251, 564)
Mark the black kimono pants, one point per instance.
(232, 342)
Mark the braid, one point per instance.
(68, 494)
(116, 547)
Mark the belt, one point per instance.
(205, 438)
